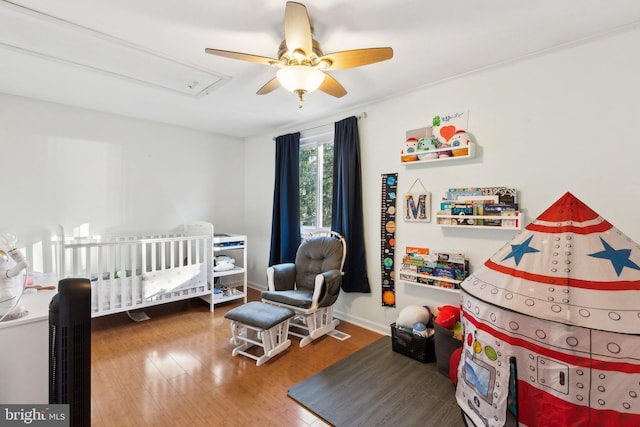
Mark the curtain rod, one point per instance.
(360, 116)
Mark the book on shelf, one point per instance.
(463, 210)
(503, 194)
(497, 210)
(417, 252)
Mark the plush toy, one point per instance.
(447, 316)
(12, 262)
(412, 314)
(459, 140)
(409, 151)
(444, 153)
(426, 144)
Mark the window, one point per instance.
(316, 178)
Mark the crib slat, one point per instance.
(135, 284)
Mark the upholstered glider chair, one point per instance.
(310, 286)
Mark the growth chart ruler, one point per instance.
(387, 236)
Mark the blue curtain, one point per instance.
(346, 205)
(285, 223)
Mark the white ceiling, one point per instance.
(433, 40)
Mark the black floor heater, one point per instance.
(70, 349)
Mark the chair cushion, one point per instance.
(296, 298)
(315, 255)
(259, 314)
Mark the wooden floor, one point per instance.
(177, 370)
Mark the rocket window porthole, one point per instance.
(529, 302)
(601, 402)
(579, 397)
(601, 389)
(602, 376)
(579, 372)
(514, 326)
(541, 334)
(493, 317)
(584, 313)
(613, 348)
(556, 308)
(633, 394)
(508, 296)
(580, 385)
(572, 341)
(626, 405)
(614, 316)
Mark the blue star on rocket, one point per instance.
(518, 251)
(619, 257)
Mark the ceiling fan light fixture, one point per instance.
(296, 78)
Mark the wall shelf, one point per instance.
(470, 154)
(426, 285)
(515, 219)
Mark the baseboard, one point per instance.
(363, 323)
(341, 315)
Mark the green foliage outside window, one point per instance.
(316, 161)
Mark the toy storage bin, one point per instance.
(445, 345)
(414, 346)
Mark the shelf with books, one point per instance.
(480, 207)
(440, 270)
(510, 221)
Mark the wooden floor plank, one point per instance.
(176, 369)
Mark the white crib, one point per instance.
(133, 272)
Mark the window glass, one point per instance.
(316, 178)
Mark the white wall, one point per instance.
(558, 122)
(70, 166)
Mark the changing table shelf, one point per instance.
(231, 284)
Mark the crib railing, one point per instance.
(132, 272)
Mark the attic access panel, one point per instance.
(30, 32)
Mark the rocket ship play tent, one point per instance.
(552, 326)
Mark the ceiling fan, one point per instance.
(301, 64)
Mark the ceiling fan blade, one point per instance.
(357, 57)
(244, 56)
(269, 87)
(297, 28)
(332, 87)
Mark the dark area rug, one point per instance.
(377, 387)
